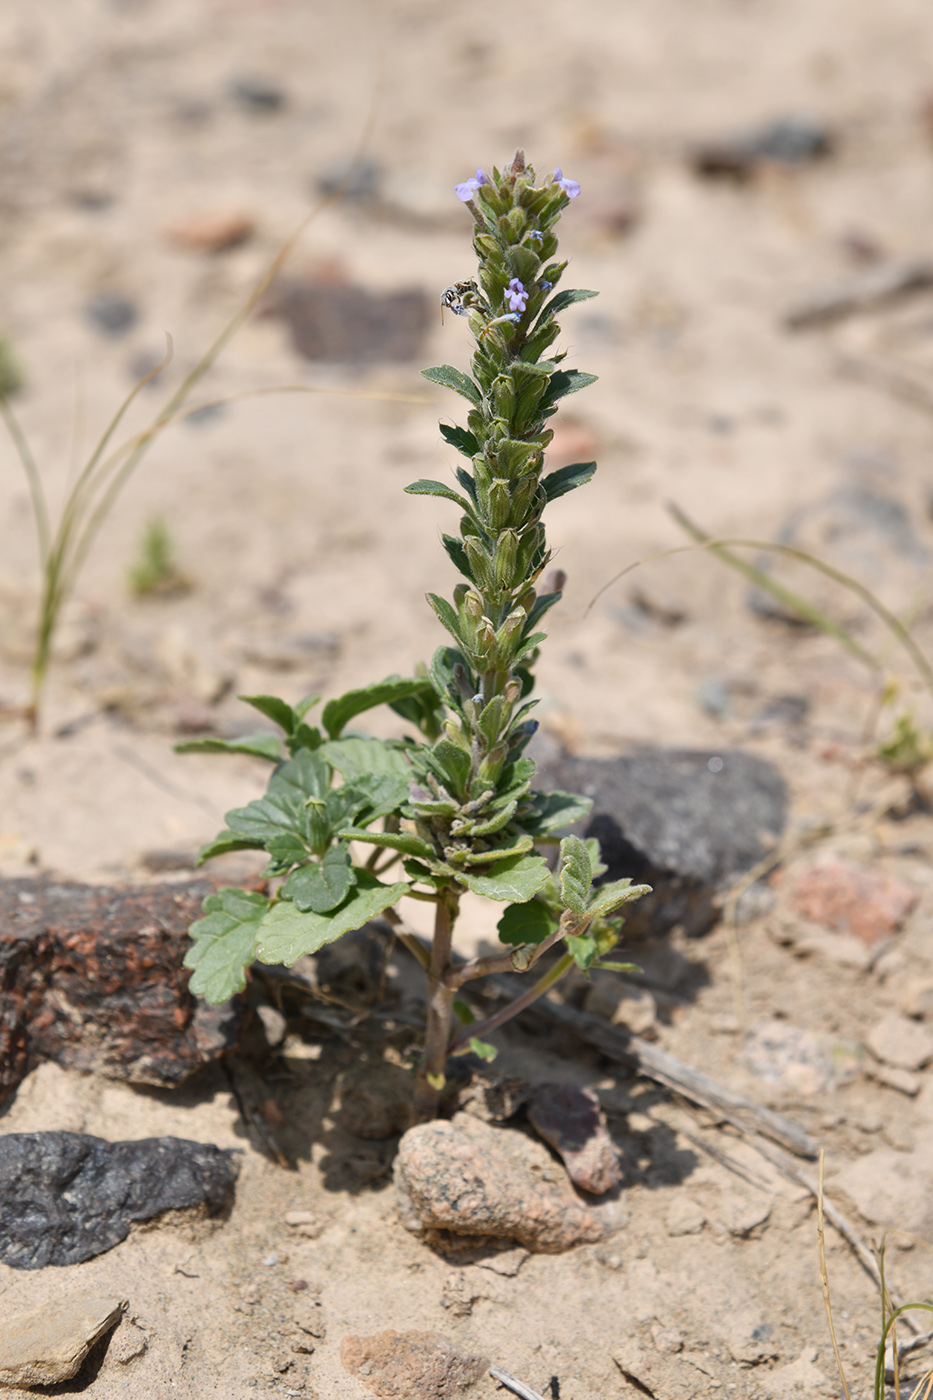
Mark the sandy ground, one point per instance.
(308, 567)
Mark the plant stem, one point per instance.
(499, 1018)
(440, 1010)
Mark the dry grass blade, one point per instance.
(517, 1387)
(824, 1280)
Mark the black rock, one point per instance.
(111, 313)
(685, 822)
(65, 1197)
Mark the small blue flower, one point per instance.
(467, 188)
(537, 235)
(516, 295)
(545, 286)
(570, 187)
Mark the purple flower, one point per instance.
(545, 286)
(466, 190)
(516, 295)
(570, 187)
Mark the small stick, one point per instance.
(517, 1387)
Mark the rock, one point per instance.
(375, 1099)
(569, 1118)
(892, 1189)
(398, 1365)
(917, 998)
(66, 1197)
(801, 1374)
(667, 1340)
(111, 313)
(337, 322)
(49, 1344)
(463, 1184)
(308, 1317)
(685, 822)
(212, 232)
(793, 139)
(903, 1080)
(685, 1217)
(851, 899)
(257, 94)
(93, 979)
(780, 1053)
(895, 1040)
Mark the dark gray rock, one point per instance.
(111, 313)
(257, 94)
(340, 323)
(685, 822)
(792, 139)
(65, 1197)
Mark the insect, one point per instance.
(460, 298)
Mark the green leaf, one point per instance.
(338, 713)
(453, 762)
(562, 300)
(228, 841)
(356, 758)
(608, 898)
(618, 967)
(425, 487)
(287, 849)
(482, 1048)
(378, 794)
(530, 922)
(273, 708)
(582, 948)
(260, 745)
(576, 875)
(567, 381)
(446, 614)
(286, 933)
(455, 379)
(224, 943)
(554, 810)
(460, 438)
(304, 776)
(515, 848)
(458, 555)
(402, 841)
(304, 736)
(567, 479)
(321, 887)
(513, 882)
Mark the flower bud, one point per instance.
(505, 560)
(498, 505)
(480, 562)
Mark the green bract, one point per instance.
(451, 806)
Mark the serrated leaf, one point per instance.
(378, 794)
(286, 933)
(228, 841)
(513, 881)
(426, 487)
(224, 943)
(454, 379)
(608, 898)
(356, 758)
(273, 708)
(530, 922)
(460, 438)
(321, 887)
(338, 713)
(287, 849)
(552, 811)
(566, 479)
(446, 614)
(567, 381)
(260, 745)
(304, 736)
(304, 776)
(576, 875)
(406, 843)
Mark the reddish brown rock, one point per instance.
(850, 898)
(464, 1184)
(399, 1365)
(569, 1118)
(91, 977)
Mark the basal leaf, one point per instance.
(338, 713)
(304, 776)
(224, 943)
(567, 479)
(455, 379)
(426, 487)
(322, 887)
(530, 922)
(513, 881)
(286, 933)
(261, 745)
(377, 794)
(576, 875)
(357, 758)
(228, 841)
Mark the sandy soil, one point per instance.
(309, 565)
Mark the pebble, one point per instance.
(211, 232)
(111, 313)
(917, 999)
(898, 1041)
(780, 1053)
(801, 1374)
(49, 1344)
(425, 1364)
(569, 1118)
(257, 94)
(849, 898)
(684, 1217)
(308, 1316)
(463, 1183)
